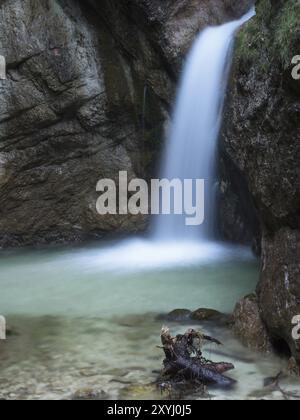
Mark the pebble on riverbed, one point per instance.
(205, 315)
(87, 394)
(200, 315)
(293, 368)
(179, 315)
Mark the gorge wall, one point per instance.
(261, 141)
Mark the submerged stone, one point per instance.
(87, 394)
(179, 315)
(203, 314)
(139, 391)
(293, 367)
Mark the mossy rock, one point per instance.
(89, 394)
(179, 315)
(203, 314)
(139, 392)
(273, 34)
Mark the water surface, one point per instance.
(80, 324)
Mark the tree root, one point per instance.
(274, 384)
(185, 368)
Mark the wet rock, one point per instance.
(260, 138)
(87, 394)
(293, 367)
(89, 373)
(179, 315)
(261, 395)
(200, 315)
(206, 315)
(134, 320)
(139, 391)
(11, 331)
(279, 288)
(238, 219)
(248, 325)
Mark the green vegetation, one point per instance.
(287, 34)
(272, 34)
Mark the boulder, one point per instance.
(179, 315)
(205, 315)
(248, 326)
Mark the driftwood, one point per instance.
(274, 385)
(185, 365)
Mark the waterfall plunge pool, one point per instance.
(86, 318)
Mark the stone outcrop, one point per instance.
(261, 139)
(61, 128)
(248, 325)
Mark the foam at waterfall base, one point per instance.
(142, 254)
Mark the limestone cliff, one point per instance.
(261, 139)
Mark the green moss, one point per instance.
(287, 33)
(255, 35)
(272, 34)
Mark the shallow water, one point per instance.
(81, 320)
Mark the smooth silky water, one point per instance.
(82, 325)
(88, 319)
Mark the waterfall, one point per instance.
(192, 144)
(190, 154)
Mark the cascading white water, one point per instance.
(190, 154)
(191, 148)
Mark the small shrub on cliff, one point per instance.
(272, 34)
(256, 34)
(287, 33)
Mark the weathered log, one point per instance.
(184, 360)
(205, 373)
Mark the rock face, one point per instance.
(248, 325)
(279, 287)
(238, 218)
(61, 126)
(89, 87)
(261, 139)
